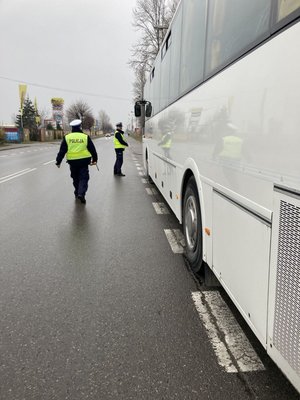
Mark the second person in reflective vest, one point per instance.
(120, 146)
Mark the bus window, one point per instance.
(233, 29)
(175, 55)
(166, 45)
(193, 44)
(287, 7)
(165, 72)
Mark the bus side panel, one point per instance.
(165, 176)
(241, 249)
(284, 300)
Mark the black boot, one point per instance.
(82, 199)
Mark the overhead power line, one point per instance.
(64, 89)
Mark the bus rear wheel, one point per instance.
(192, 225)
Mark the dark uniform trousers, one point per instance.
(80, 175)
(119, 161)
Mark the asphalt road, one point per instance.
(94, 304)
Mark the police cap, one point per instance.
(75, 122)
(119, 124)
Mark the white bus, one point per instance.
(223, 146)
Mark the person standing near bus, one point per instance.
(81, 153)
(120, 146)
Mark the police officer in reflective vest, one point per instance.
(120, 145)
(80, 153)
(166, 143)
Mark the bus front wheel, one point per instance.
(147, 164)
(192, 225)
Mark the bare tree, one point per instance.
(81, 110)
(152, 19)
(139, 83)
(43, 114)
(173, 7)
(104, 122)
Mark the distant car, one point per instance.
(107, 135)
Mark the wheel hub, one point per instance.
(191, 223)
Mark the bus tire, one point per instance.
(192, 225)
(147, 164)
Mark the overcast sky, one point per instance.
(82, 46)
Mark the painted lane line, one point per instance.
(160, 208)
(141, 173)
(144, 180)
(139, 168)
(176, 240)
(49, 162)
(232, 348)
(16, 175)
(151, 191)
(218, 346)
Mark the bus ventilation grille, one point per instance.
(287, 303)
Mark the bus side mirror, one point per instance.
(137, 110)
(148, 110)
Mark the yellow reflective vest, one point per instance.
(77, 146)
(117, 144)
(232, 147)
(167, 141)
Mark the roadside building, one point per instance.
(11, 133)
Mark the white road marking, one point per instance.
(231, 346)
(141, 173)
(176, 240)
(139, 168)
(144, 180)
(160, 208)
(151, 191)
(16, 175)
(49, 162)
